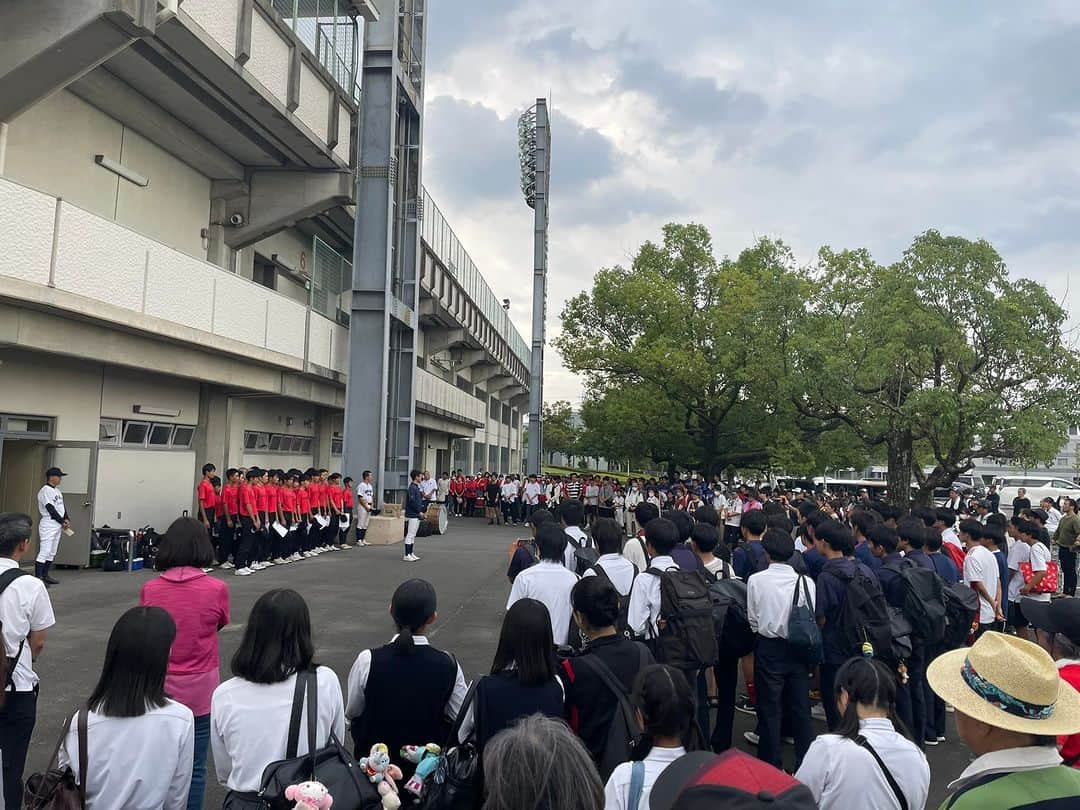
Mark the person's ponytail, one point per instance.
(412, 608)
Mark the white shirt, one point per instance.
(366, 495)
(644, 608)
(249, 725)
(25, 607)
(619, 570)
(509, 491)
(135, 763)
(633, 498)
(428, 487)
(769, 596)
(550, 583)
(1040, 556)
(843, 775)
(949, 535)
(720, 569)
(635, 553)
(735, 506)
(1019, 553)
(617, 789)
(361, 669)
(50, 495)
(532, 493)
(582, 540)
(1053, 518)
(980, 565)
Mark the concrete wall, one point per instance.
(293, 249)
(123, 389)
(68, 391)
(140, 487)
(270, 55)
(52, 147)
(217, 18)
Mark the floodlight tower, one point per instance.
(534, 145)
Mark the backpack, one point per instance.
(116, 555)
(730, 616)
(961, 611)
(924, 603)
(864, 618)
(624, 728)
(8, 662)
(624, 601)
(585, 556)
(803, 633)
(688, 639)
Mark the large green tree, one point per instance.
(561, 434)
(934, 361)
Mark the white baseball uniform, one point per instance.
(48, 529)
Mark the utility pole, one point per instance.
(534, 142)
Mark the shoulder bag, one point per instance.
(862, 742)
(57, 789)
(332, 764)
(455, 782)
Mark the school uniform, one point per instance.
(980, 566)
(400, 699)
(249, 725)
(550, 583)
(25, 607)
(303, 506)
(503, 700)
(634, 550)
(230, 496)
(414, 510)
(582, 539)
(262, 536)
(843, 775)
(288, 512)
(337, 503)
(780, 673)
(644, 608)
(207, 500)
(911, 704)
(619, 570)
(348, 506)
(245, 552)
(135, 763)
(617, 789)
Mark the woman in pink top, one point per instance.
(199, 604)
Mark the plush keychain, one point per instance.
(382, 773)
(425, 758)
(309, 796)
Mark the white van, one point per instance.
(1037, 486)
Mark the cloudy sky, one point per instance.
(843, 123)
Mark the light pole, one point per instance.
(534, 145)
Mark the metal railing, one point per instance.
(330, 33)
(331, 281)
(442, 240)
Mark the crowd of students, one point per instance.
(614, 679)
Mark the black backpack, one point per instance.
(585, 556)
(924, 602)
(688, 639)
(10, 661)
(624, 728)
(730, 615)
(961, 611)
(624, 601)
(864, 618)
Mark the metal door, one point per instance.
(79, 461)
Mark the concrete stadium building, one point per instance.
(177, 208)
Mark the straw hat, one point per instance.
(1007, 683)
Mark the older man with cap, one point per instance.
(1010, 707)
(54, 521)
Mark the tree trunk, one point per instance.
(901, 466)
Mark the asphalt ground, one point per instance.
(348, 593)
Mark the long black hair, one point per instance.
(870, 682)
(526, 643)
(277, 639)
(137, 656)
(411, 607)
(664, 697)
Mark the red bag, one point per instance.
(956, 554)
(1048, 584)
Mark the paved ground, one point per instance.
(348, 593)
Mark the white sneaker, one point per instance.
(243, 572)
(227, 565)
(413, 557)
(345, 546)
(280, 561)
(295, 557)
(751, 737)
(307, 555)
(259, 566)
(408, 558)
(268, 564)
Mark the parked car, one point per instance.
(941, 494)
(974, 483)
(1037, 486)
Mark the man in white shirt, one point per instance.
(1039, 556)
(429, 487)
(53, 521)
(365, 504)
(634, 496)
(981, 573)
(661, 535)
(619, 570)
(1019, 552)
(509, 494)
(26, 613)
(531, 493)
(571, 515)
(549, 581)
(733, 510)
(779, 671)
(635, 550)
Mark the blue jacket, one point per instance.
(414, 502)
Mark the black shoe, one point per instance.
(744, 705)
(50, 581)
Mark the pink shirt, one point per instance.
(199, 604)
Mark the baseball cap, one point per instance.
(733, 779)
(49, 473)
(1059, 616)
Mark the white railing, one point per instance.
(51, 242)
(447, 399)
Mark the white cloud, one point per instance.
(826, 123)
